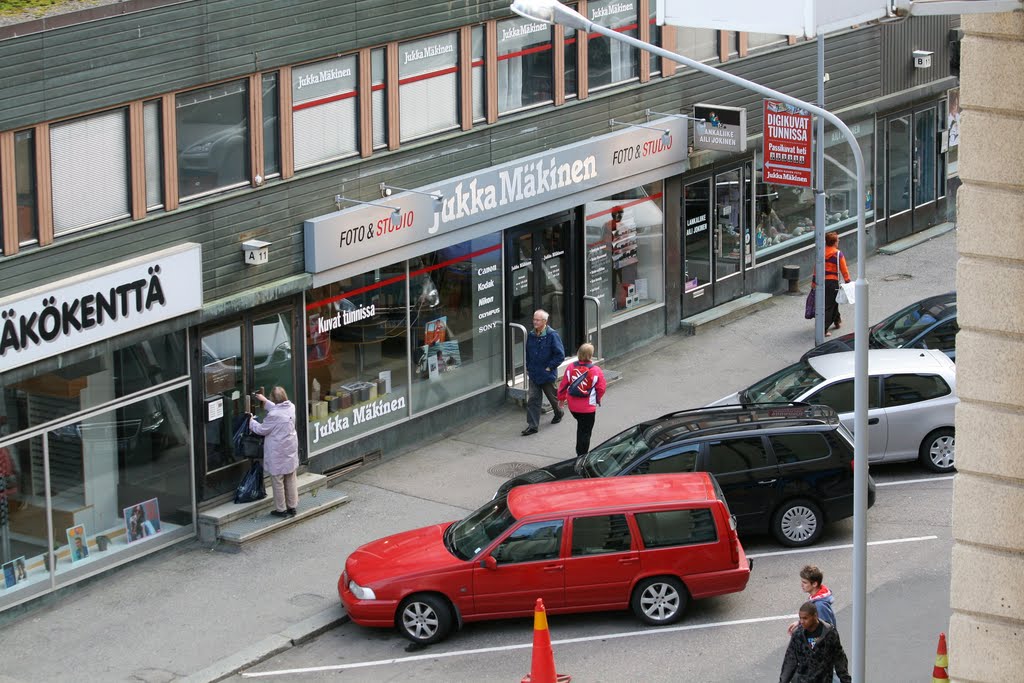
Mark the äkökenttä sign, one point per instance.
(723, 128)
(787, 144)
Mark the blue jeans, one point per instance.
(534, 401)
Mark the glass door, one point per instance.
(731, 235)
(926, 159)
(696, 238)
(899, 201)
(235, 362)
(540, 274)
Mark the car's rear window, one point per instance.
(797, 448)
(676, 527)
(900, 390)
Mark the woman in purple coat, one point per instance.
(280, 450)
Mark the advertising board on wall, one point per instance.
(721, 128)
(787, 144)
(352, 234)
(101, 304)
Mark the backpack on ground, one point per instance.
(582, 383)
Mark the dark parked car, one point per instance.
(785, 468)
(927, 324)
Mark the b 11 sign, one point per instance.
(787, 144)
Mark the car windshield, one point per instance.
(615, 454)
(904, 326)
(787, 384)
(467, 538)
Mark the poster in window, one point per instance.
(435, 331)
(142, 520)
(78, 543)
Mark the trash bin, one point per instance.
(792, 275)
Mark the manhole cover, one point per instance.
(511, 469)
(895, 277)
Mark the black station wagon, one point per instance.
(785, 468)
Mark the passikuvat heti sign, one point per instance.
(787, 144)
(721, 128)
(94, 306)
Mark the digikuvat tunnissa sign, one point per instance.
(94, 306)
(350, 235)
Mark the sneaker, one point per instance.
(528, 431)
(292, 512)
(279, 513)
(557, 418)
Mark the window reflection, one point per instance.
(611, 61)
(524, 64)
(213, 138)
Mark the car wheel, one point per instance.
(938, 449)
(659, 600)
(797, 523)
(424, 619)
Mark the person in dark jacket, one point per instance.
(814, 651)
(544, 353)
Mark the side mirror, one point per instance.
(489, 562)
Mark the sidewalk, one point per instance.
(198, 615)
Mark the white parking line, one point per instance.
(844, 546)
(913, 481)
(506, 648)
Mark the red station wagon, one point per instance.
(648, 542)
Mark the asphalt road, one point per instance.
(731, 638)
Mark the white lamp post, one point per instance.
(552, 12)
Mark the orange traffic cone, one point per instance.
(542, 668)
(939, 673)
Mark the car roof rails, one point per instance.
(746, 414)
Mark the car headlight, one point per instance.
(361, 592)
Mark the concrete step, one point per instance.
(314, 502)
(213, 521)
(745, 305)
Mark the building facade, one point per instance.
(365, 206)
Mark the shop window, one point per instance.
(785, 214)
(479, 91)
(428, 85)
(700, 44)
(841, 174)
(524, 64)
(378, 97)
(43, 392)
(571, 61)
(356, 351)
(118, 483)
(89, 170)
(625, 250)
(611, 61)
(213, 138)
(457, 342)
(271, 125)
(325, 106)
(152, 132)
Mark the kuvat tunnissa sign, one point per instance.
(787, 144)
(352, 234)
(94, 306)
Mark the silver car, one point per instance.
(911, 400)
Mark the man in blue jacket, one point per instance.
(544, 353)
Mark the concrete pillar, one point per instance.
(986, 631)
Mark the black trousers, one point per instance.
(832, 315)
(584, 428)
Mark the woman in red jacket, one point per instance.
(582, 388)
(833, 266)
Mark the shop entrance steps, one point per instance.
(228, 526)
(518, 394)
(731, 310)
